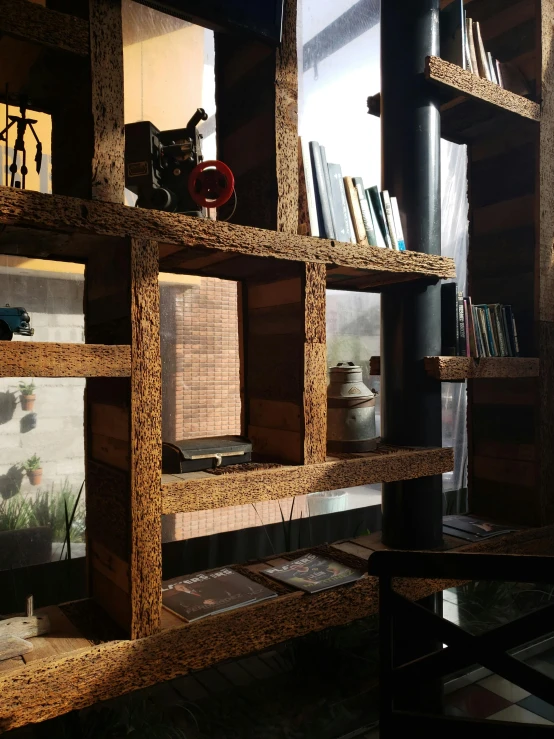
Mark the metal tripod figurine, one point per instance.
(22, 123)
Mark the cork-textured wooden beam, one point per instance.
(77, 679)
(32, 22)
(74, 216)
(462, 82)
(388, 464)
(29, 359)
(452, 369)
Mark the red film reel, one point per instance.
(211, 184)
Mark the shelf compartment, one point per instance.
(36, 24)
(30, 359)
(470, 105)
(50, 226)
(199, 492)
(113, 668)
(457, 369)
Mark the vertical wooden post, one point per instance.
(544, 290)
(123, 415)
(257, 99)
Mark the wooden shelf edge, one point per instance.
(59, 214)
(30, 359)
(462, 82)
(457, 369)
(461, 368)
(285, 482)
(77, 679)
(34, 23)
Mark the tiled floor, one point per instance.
(495, 698)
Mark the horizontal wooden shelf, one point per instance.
(471, 105)
(34, 23)
(53, 226)
(192, 492)
(37, 359)
(64, 675)
(457, 369)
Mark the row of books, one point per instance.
(342, 208)
(476, 330)
(462, 44)
(206, 593)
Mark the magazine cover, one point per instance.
(476, 527)
(313, 573)
(195, 596)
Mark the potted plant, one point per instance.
(33, 469)
(28, 396)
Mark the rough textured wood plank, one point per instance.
(13, 646)
(461, 368)
(29, 359)
(106, 61)
(315, 365)
(33, 22)
(146, 441)
(72, 215)
(286, 123)
(63, 637)
(285, 482)
(25, 627)
(461, 81)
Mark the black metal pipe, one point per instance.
(410, 315)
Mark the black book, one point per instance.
(339, 205)
(194, 596)
(510, 321)
(452, 34)
(449, 319)
(375, 196)
(461, 335)
(313, 573)
(323, 203)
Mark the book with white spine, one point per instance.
(310, 189)
(387, 207)
(398, 224)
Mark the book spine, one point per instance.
(471, 44)
(387, 207)
(516, 342)
(506, 331)
(471, 330)
(499, 74)
(339, 206)
(492, 67)
(355, 210)
(379, 238)
(449, 319)
(488, 327)
(484, 333)
(328, 187)
(310, 190)
(500, 331)
(466, 322)
(481, 53)
(494, 329)
(326, 223)
(380, 213)
(477, 329)
(510, 326)
(398, 224)
(461, 325)
(366, 214)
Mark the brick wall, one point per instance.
(201, 361)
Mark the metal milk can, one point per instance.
(350, 411)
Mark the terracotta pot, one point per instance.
(35, 476)
(28, 402)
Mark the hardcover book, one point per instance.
(328, 186)
(339, 205)
(472, 50)
(387, 207)
(355, 210)
(482, 59)
(195, 596)
(379, 238)
(375, 196)
(477, 528)
(310, 188)
(398, 224)
(366, 213)
(313, 573)
(322, 198)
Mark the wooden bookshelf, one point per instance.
(457, 369)
(76, 667)
(472, 107)
(29, 359)
(204, 491)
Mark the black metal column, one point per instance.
(410, 315)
